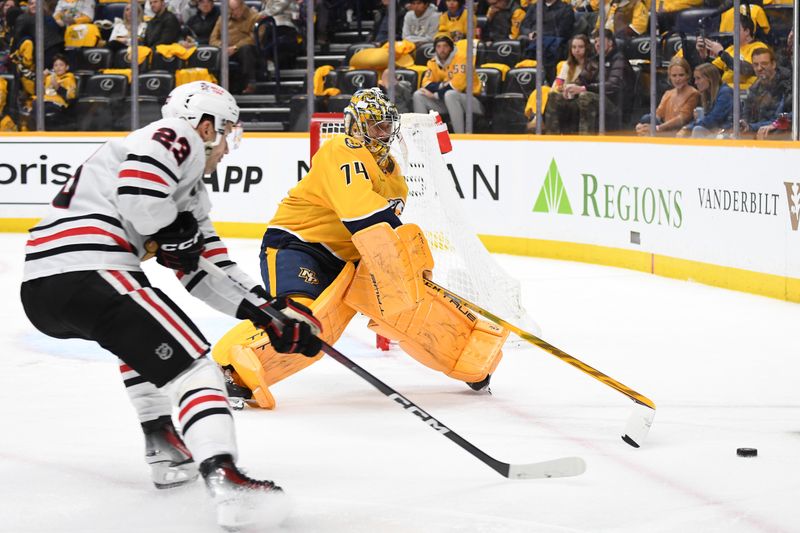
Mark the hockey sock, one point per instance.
(203, 413)
(149, 401)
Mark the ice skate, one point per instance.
(242, 502)
(238, 394)
(482, 385)
(171, 463)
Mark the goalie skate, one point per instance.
(171, 463)
(482, 385)
(242, 503)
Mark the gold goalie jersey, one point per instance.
(344, 192)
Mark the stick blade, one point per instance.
(563, 467)
(638, 425)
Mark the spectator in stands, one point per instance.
(579, 55)
(723, 59)
(73, 12)
(781, 126)
(60, 91)
(557, 23)
(561, 110)
(769, 96)
(330, 15)
(403, 92)
(380, 33)
(25, 29)
(784, 54)
(586, 92)
(453, 22)
(667, 11)
(121, 31)
(283, 12)
(716, 112)
(202, 22)
(6, 123)
(752, 11)
(163, 28)
(444, 85)
(421, 22)
(677, 105)
(627, 19)
(182, 9)
(503, 20)
(580, 48)
(241, 21)
(8, 16)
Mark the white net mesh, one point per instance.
(462, 263)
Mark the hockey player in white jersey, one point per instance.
(83, 279)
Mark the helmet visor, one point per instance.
(383, 130)
(234, 135)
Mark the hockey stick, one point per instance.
(644, 411)
(562, 467)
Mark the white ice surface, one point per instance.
(722, 367)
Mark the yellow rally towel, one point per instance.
(420, 70)
(144, 54)
(23, 62)
(81, 35)
(3, 93)
(503, 68)
(6, 124)
(186, 75)
(526, 63)
(124, 71)
(176, 50)
(319, 82)
(378, 58)
(530, 106)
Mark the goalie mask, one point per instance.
(192, 101)
(373, 120)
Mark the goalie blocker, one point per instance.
(388, 287)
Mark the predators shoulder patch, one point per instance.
(350, 143)
(308, 275)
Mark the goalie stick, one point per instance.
(644, 409)
(562, 467)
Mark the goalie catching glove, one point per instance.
(179, 244)
(298, 331)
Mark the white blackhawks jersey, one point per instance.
(126, 191)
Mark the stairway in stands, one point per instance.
(268, 109)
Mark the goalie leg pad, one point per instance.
(392, 263)
(444, 336)
(388, 280)
(258, 366)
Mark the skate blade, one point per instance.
(167, 476)
(253, 511)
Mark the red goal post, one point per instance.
(323, 125)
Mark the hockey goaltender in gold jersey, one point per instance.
(336, 244)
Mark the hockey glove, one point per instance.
(297, 334)
(180, 244)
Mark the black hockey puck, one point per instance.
(746, 452)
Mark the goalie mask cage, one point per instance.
(461, 262)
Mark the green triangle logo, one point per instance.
(553, 196)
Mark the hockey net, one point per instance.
(461, 262)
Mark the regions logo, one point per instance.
(793, 196)
(553, 196)
(600, 198)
